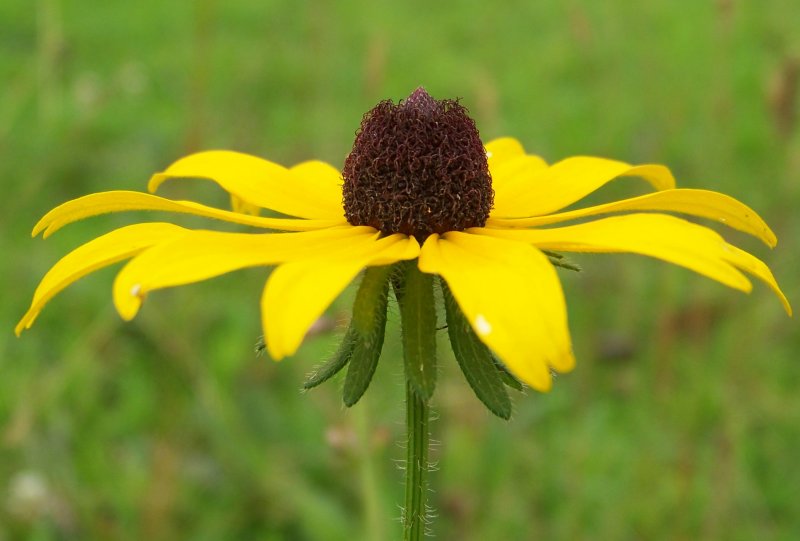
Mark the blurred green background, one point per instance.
(682, 419)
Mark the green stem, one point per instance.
(415, 513)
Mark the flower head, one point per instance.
(417, 168)
(420, 187)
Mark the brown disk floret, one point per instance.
(418, 167)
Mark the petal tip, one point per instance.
(565, 362)
(274, 351)
(155, 181)
(42, 225)
(128, 303)
(543, 385)
(786, 305)
(770, 238)
(26, 322)
(763, 232)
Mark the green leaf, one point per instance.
(475, 359)
(369, 327)
(338, 361)
(418, 315)
(363, 362)
(370, 302)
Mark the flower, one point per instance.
(418, 186)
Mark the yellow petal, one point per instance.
(324, 179)
(96, 254)
(657, 235)
(243, 207)
(512, 297)
(757, 268)
(509, 164)
(199, 255)
(298, 293)
(501, 149)
(702, 203)
(256, 181)
(537, 192)
(117, 201)
(513, 176)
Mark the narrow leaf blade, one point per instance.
(475, 360)
(338, 361)
(369, 327)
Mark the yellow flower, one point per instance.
(485, 232)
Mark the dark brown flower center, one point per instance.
(418, 167)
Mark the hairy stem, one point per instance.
(415, 512)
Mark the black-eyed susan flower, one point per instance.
(418, 186)
(419, 200)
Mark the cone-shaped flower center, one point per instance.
(418, 167)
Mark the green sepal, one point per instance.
(369, 326)
(261, 345)
(552, 255)
(558, 260)
(565, 264)
(333, 365)
(475, 359)
(418, 316)
(363, 362)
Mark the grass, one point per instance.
(682, 419)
